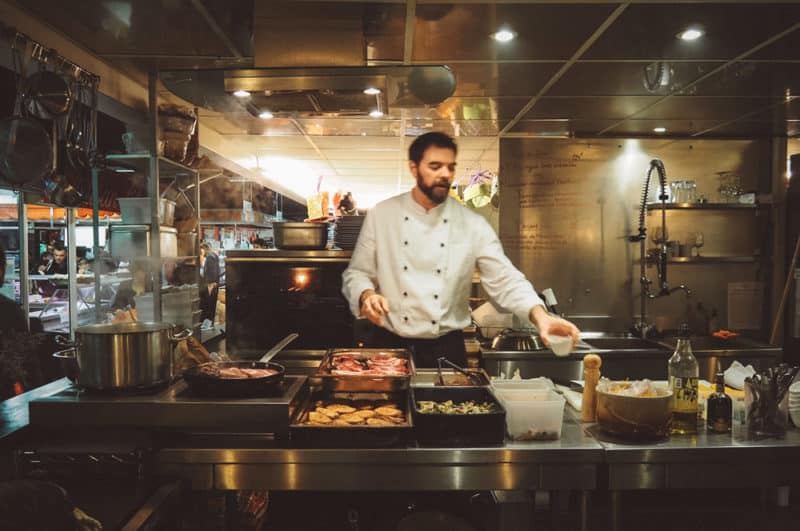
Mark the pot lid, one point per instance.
(131, 327)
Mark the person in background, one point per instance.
(83, 266)
(412, 267)
(124, 303)
(209, 278)
(58, 266)
(11, 317)
(44, 261)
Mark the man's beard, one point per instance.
(436, 193)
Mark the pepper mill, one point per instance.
(591, 376)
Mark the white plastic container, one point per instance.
(533, 383)
(532, 414)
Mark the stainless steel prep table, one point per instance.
(703, 461)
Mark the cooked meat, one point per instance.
(319, 418)
(389, 412)
(327, 412)
(379, 422)
(236, 373)
(341, 408)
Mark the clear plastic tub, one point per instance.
(532, 414)
(533, 383)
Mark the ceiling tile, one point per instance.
(628, 79)
(786, 48)
(350, 126)
(647, 31)
(705, 108)
(502, 79)
(752, 79)
(607, 107)
(452, 31)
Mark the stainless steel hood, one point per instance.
(303, 92)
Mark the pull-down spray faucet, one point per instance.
(641, 327)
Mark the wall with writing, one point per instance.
(567, 208)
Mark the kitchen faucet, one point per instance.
(641, 327)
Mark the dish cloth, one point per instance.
(736, 373)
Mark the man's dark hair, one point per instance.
(420, 144)
(59, 246)
(206, 247)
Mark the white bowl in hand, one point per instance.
(560, 345)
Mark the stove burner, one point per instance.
(128, 391)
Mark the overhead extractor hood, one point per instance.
(305, 92)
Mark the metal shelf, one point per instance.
(715, 259)
(141, 162)
(706, 206)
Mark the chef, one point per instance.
(411, 270)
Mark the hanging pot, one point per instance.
(26, 153)
(47, 95)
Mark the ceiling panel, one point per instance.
(143, 27)
(752, 79)
(628, 79)
(502, 79)
(350, 126)
(474, 108)
(590, 127)
(597, 106)
(647, 31)
(705, 108)
(453, 31)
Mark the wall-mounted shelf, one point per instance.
(706, 206)
(140, 162)
(715, 259)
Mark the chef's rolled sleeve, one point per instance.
(505, 284)
(362, 273)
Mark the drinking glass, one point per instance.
(699, 241)
(655, 235)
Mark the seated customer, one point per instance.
(125, 297)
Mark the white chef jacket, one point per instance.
(422, 262)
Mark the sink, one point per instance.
(610, 341)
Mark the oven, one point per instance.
(271, 293)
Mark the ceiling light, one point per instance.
(690, 34)
(265, 115)
(241, 94)
(504, 35)
(659, 129)
(376, 113)
(372, 91)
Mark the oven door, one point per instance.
(268, 299)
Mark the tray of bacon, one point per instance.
(366, 370)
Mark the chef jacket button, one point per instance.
(405, 242)
(405, 318)
(445, 220)
(433, 322)
(435, 296)
(441, 245)
(438, 271)
(405, 268)
(405, 294)
(406, 218)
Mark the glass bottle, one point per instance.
(683, 374)
(720, 408)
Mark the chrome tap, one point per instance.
(642, 328)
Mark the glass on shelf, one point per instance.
(730, 186)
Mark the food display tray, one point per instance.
(430, 378)
(441, 429)
(359, 436)
(363, 384)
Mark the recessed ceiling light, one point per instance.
(265, 115)
(659, 129)
(372, 91)
(504, 35)
(690, 34)
(376, 113)
(241, 94)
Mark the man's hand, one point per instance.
(211, 286)
(374, 307)
(550, 325)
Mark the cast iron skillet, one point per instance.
(202, 381)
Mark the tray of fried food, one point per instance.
(366, 370)
(347, 419)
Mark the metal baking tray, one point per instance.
(430, 378)
(440, 429)
(351, 383)
(358, 436)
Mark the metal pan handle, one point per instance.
(68, 354)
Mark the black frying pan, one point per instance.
(204, 379)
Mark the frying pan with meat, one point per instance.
(220, 379)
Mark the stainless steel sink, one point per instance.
(611, 341)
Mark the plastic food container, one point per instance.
(532, 414)
(531, 384)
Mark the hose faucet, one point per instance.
(642, 328)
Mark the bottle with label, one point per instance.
(683, 374)
(720, 408)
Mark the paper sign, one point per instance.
(745, 305)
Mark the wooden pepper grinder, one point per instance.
(591, 376)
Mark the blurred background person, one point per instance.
(209, 279)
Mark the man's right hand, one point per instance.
(374, 307)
